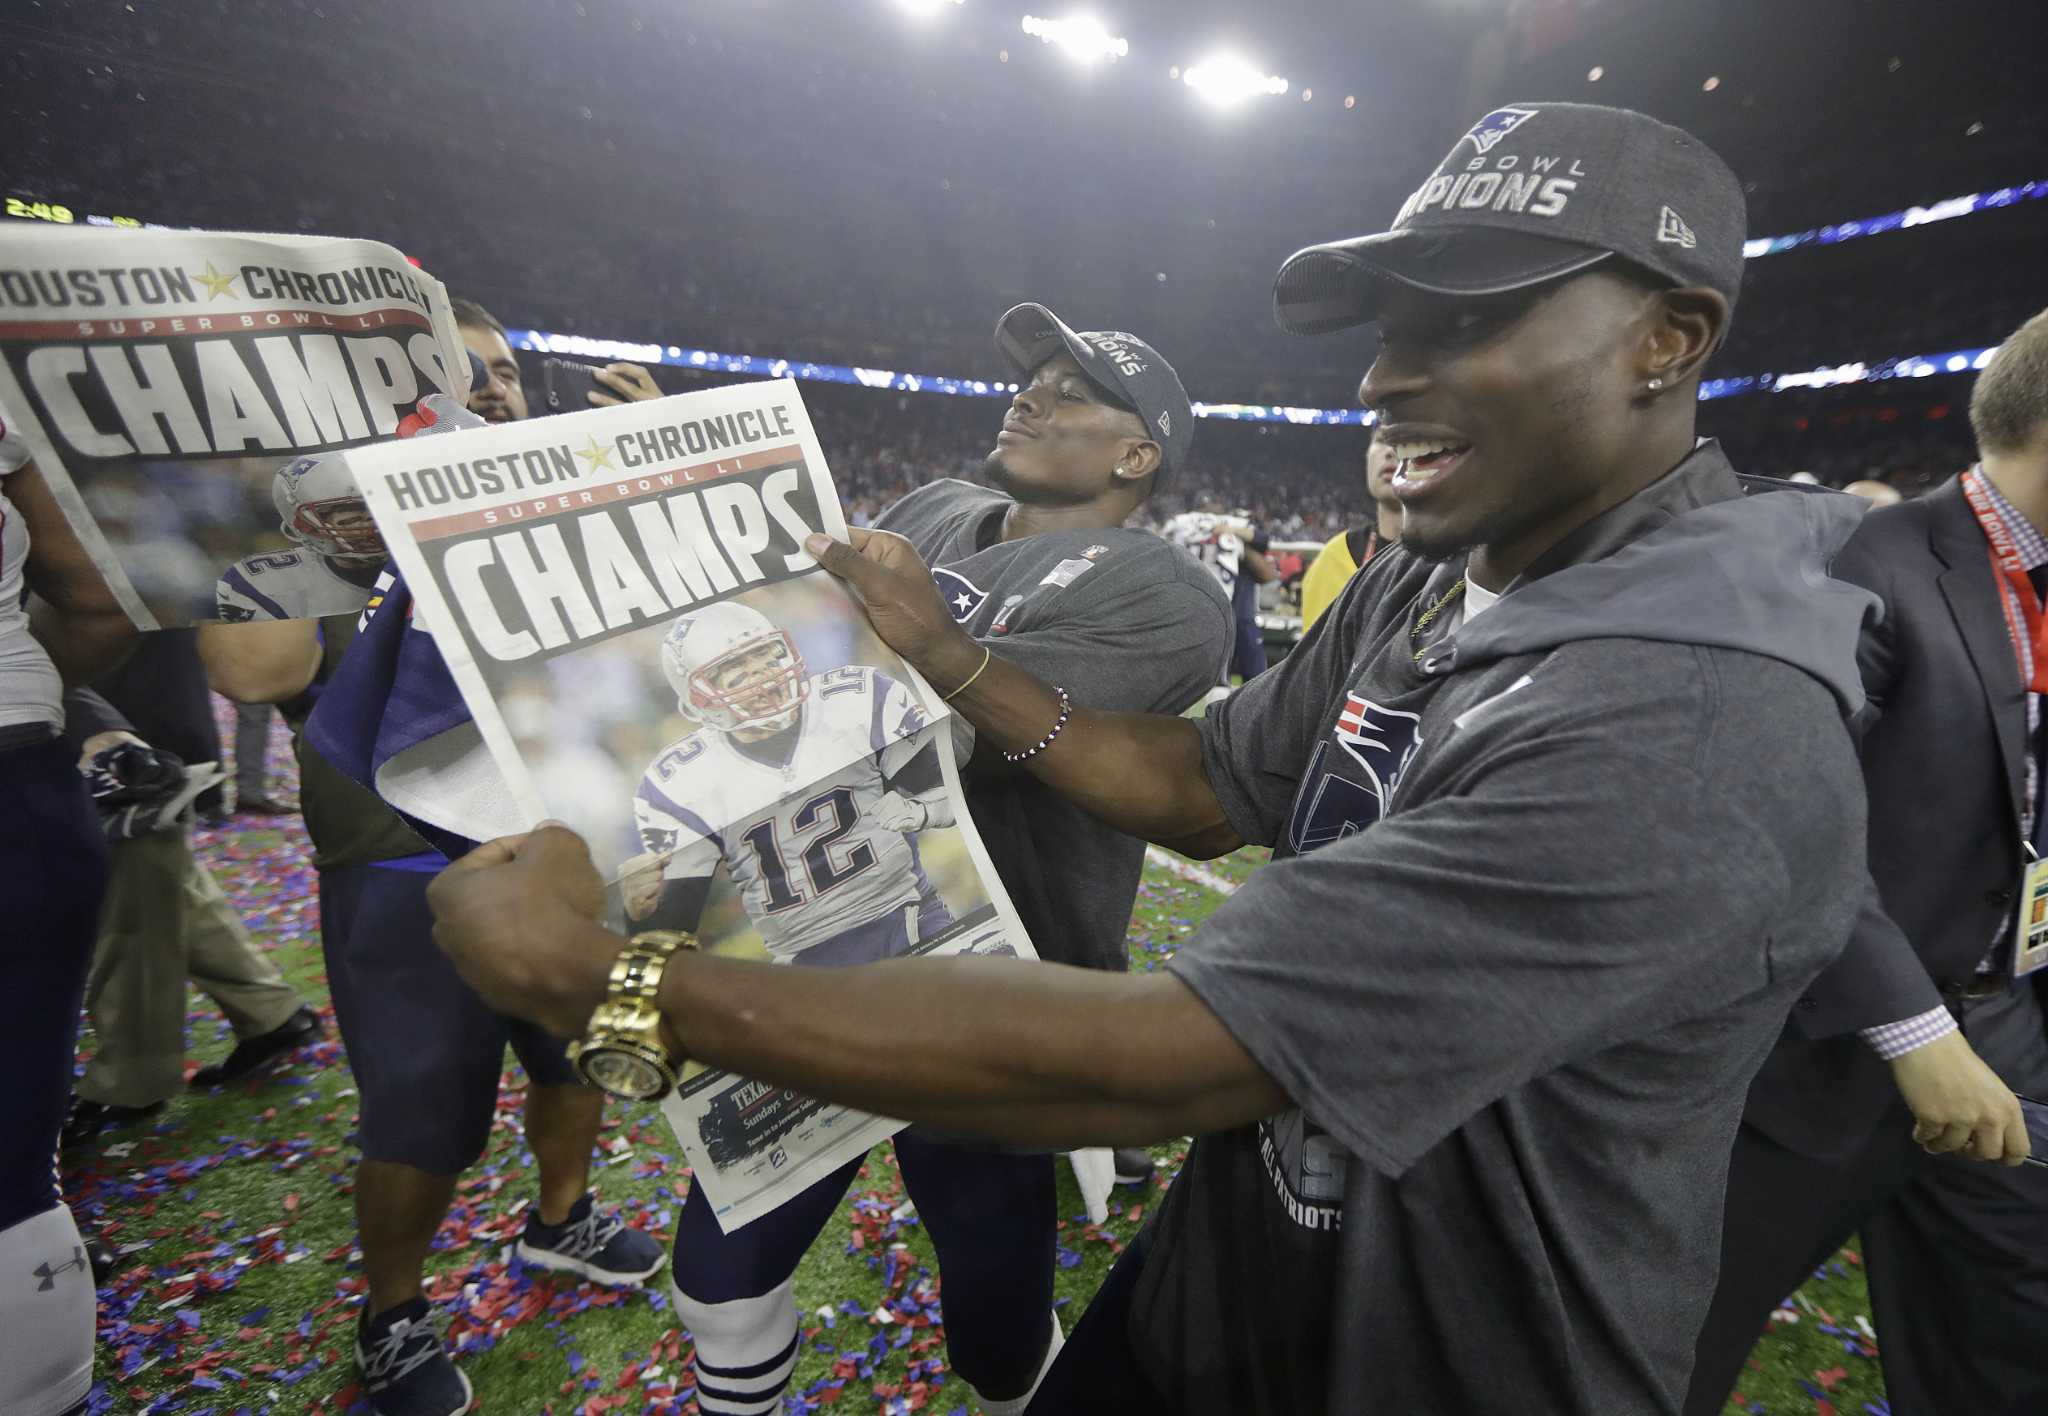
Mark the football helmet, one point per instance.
(319, 507)
(731, 668)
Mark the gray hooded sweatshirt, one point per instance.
(1545, 889)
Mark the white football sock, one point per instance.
(1015, 1405)
(46, 1316)
(746, 1350)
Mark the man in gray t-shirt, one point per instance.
(1565, 815)
(1120, 618)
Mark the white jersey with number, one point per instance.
(1201, 535)
(811, 865)
(285, 585)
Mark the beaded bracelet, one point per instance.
(1066, 708)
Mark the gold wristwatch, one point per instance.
(623, 1054)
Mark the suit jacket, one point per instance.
(1943, 746)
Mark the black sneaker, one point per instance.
(105, 1261)
(406, 1370)
(593, 1243)
(260, 1053)
(1134, 1165)
(88, 1118)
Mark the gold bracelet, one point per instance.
(986, 654)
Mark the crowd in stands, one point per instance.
(683, 274)
(1307, 483)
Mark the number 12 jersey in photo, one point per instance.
(808, 866)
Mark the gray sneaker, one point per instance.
(406, 1370)
(591, 1243)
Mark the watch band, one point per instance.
(636, 973)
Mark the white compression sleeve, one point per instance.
(46, 1316)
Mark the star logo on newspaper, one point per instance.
(596, 456)
(216, 284)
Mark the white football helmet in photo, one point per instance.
(320, 508)
(732, 668)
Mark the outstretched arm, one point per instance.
(1139, 772)
(1025, 1053)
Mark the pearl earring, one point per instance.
(1656, 384)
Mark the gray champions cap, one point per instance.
(1533, 192)
(1122, 365)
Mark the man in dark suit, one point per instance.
(1951, 1021)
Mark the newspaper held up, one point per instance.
(184, 394)
(652, 657)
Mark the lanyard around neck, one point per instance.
(2029, 646)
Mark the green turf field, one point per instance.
(242, 1287)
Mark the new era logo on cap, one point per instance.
(1488, 131)
(1672, 230)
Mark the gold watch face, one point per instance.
(621, 1072)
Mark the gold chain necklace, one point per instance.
(1432, 612)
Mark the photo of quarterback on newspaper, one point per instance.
(652, 658)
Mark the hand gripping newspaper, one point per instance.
(186, 394)
(653, 659)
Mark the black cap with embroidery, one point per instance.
(1122, 365)
(1532, 193)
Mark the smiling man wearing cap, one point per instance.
(1042, 573)
(1564, 812)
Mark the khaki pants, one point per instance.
(165, 920)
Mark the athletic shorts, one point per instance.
(426, 1051)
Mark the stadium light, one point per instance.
(1226, 79)
(1082, 36)
(925, 9)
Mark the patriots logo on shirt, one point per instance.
(1332, 803)
(1381, 740)
(1488, 131)
(962, 596)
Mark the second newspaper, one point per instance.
(652, 657)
